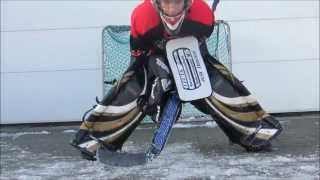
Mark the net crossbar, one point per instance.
(116, 57)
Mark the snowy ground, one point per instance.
(194, 152)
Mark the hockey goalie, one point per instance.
(171, 65)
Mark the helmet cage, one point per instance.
(173, 23)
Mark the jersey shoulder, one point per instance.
(144, 17)
(201, 12)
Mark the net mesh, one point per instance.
(116, 57)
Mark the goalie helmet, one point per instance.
(172, 13)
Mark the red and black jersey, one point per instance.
(148, 33)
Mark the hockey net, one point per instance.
(116, 57)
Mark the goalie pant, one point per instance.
(231, 105)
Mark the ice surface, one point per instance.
(193, 152)
(178, 161)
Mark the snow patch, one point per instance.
(309, 168)
(209, 124)
(233, 171)
(16, 135)
(69, 131)
(283, 159)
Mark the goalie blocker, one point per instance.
(143, 90)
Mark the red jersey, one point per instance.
(148, 33)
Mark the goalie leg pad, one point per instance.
(236, 112)
(114, 118)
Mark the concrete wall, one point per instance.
(51, 54)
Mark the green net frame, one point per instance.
(116, 57)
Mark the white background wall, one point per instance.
(51, 54)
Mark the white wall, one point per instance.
(51, 54)
(276, 51)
